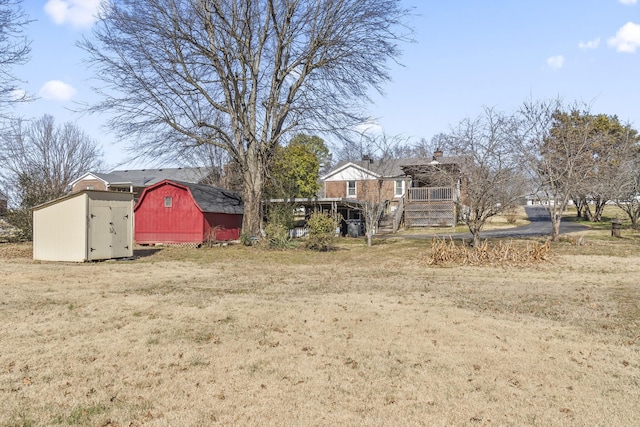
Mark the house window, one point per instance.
(399, 188)
(168, 201)
(90, 187)
(351, 189)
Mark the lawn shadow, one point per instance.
(145, 252)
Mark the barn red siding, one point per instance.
(223, 226)
(181, 223)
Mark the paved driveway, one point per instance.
(540, 226)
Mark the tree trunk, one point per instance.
(253, 178)
(555, 226)
(580, 204)
(476, 238)
(600, 204)
(634, 216)
(587, 213)
(370, 216)
(475, 227)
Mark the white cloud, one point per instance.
(18, 94)
(57, 91)
(77, 13)
(555, 61)
(628, 2)
(591, 44)
(371, 127)
(627, 39)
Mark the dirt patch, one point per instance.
(360, 336)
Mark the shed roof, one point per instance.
(116, 195)
(209, 199)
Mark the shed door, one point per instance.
(120, 231)
(109, 231)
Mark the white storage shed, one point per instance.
(85, 226)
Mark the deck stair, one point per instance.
(385, 225)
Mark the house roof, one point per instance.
(341, 166)
(391, 168)
(209, 199)
(147, 177)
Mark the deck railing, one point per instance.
(431, 194)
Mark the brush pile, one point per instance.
(446, 252)
(15, 250)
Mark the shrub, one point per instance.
(279, 221)
(281, 214)
(322, 231)
(246, 239)
(22, 222)
(511, 215)
(277, 236)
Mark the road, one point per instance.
(540, 226)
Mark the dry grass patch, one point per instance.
(359, 336)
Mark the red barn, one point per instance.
(181, 212)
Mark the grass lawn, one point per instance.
(358, 336)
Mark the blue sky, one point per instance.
(467, 54)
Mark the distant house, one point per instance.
(176, 212)
(416, 190)
(136, 180)
(349, 180)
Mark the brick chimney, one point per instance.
(367, 158)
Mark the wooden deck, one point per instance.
(430, 207)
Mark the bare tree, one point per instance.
(223, 172)
(38, 161)
(554, 151)
(601, 163)
(627, 195)
(491, 175)
(240, 74)
(374, 179)
(14, 49)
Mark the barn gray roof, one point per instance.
(395, 167)
(147, 177)
(214, 199)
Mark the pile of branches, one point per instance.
(446, 252)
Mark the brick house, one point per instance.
(136, 180)
(417, 191)
(360, 180)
